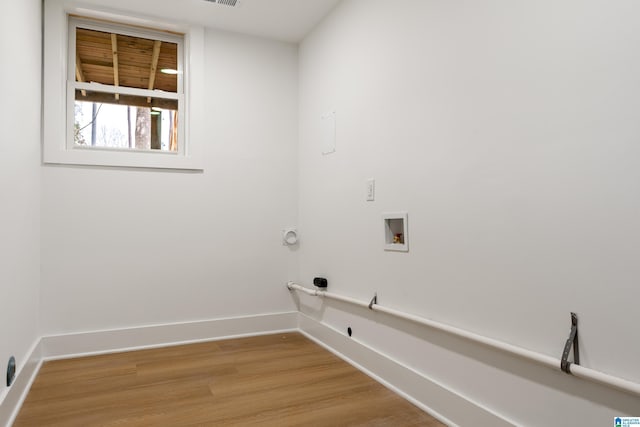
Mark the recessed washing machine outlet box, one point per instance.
(396, 232)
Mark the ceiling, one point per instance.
(285, 20)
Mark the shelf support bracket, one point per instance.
(565, 365)
(374, 300)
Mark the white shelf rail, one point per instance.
(542, 359)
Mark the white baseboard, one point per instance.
(447, 406)
(138, 338)
(10, 405)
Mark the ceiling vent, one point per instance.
(232, 3)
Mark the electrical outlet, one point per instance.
(371, 190)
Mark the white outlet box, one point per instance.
(396, 230)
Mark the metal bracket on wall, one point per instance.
(374, 300)
(11, 371)
(565, 365)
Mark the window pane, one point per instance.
(120, 60)
(129, 122)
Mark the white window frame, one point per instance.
(60, 86)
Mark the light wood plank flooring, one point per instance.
(274, 380)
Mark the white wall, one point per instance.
(509, 132)
(124, 248)
(20, 42)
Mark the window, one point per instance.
(124, 98)
(127, 88)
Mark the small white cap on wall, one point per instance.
(289, 236)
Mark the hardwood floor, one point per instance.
(274, 380)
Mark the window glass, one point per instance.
(131, 124)
(114, 108)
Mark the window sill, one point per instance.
(123, 158)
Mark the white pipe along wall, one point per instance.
(508, 132)
(577, 370)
